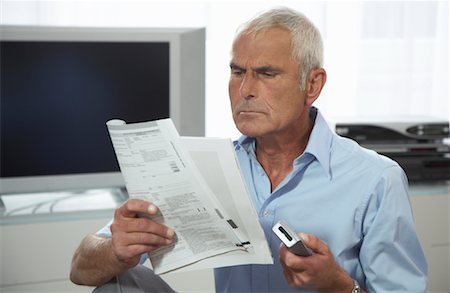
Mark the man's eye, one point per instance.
(268, 74)
(236, 71)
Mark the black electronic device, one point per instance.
(418, 145)
(395, 131)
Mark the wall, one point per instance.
(395, 67)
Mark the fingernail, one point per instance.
(152, 209)
(304, 236)
(170, 233)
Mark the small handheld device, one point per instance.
(293, 242)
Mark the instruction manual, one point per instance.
(197, 185)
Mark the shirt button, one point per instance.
(265, 213)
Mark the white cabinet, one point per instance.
(431, 207)
(40, 232)
(36, 250)
(37, 257)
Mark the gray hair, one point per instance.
(307, 46)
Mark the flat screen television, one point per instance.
(59, 86)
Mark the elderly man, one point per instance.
(350, 204)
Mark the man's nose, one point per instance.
(247, 88)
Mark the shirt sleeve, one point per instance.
(390, 254)
(105, 231)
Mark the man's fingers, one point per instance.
(147, 239)
(291, 260)
(131, 254)
(129, 246)
(315, 243)
(150, 239)
(133, 207)
(144, 225)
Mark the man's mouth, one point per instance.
(248, 112)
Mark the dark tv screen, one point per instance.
(57, 96)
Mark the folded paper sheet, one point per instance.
(197, 185)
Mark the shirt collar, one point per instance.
(319, 143)
(320, 139)
(245, 142)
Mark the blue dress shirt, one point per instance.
(352, 198)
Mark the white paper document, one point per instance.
(197, 185)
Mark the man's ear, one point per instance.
(314, 83)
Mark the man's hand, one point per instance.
(318, 272)
(134, 232)
(97, 260)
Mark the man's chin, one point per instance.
(249, 131)
(250, 126)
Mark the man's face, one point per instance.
(264, 85)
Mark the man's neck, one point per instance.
(276, 153)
